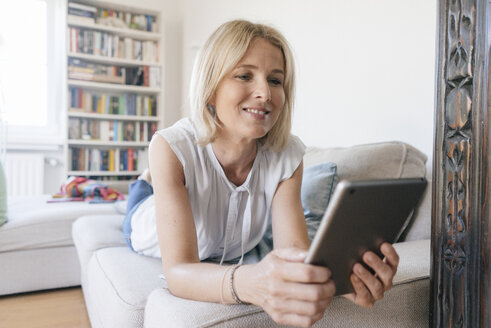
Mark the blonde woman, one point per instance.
(219, 178)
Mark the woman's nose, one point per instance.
(263, 90)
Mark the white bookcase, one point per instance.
(114, 88)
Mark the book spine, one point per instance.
(111, 160)
(130, 160)
(104, 131)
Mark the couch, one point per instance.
(36, 246)
(124, 289)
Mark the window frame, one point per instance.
(51, 135)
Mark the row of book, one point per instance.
(106, 131)
(103, 103)
(105, 44)
(110, 160)
(89, 14)
(111, 177)
(148, 76)
(82, 70)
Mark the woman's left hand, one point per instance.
(369, 287)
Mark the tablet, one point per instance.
(360, 217)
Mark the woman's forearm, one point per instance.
(290, 291)
(201, 281)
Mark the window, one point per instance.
(31, 70)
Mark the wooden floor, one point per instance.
(62, 308)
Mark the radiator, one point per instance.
(24, 173)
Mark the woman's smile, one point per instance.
(257, 113)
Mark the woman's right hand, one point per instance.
(291, 292)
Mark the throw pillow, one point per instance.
(317, 187)
(3, 197)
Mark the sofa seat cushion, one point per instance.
(94, 232)
(135, 285)
(33, 223)
(38, 269)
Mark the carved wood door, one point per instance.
(461, 229)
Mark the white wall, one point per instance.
(365, 68)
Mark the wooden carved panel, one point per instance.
(459, 284)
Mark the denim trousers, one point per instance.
(139, 191)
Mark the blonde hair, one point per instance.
(220, 54)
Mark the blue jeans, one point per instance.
(139, 191)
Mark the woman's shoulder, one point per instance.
(293, 148)
(181, 130)
(282, 164)
(181, 138)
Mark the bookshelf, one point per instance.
(114, 88)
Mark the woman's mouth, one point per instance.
(256, 111)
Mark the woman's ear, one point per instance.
(211, 109)
(212, 101)
(210, 105)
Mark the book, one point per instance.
(104, 131)
(134, 76)
(146, 76)
(73, 156)
(129, 131)
(105, 160)
(73, 128)
(130, 164)
(84, 129)
(111, 130)
(152, 128)
(81, 160)
(83, 7)
(153, 106)
(95, 160)
(112, 164)
(115, 131)
(120, 131)
(141, 135)
(154, 77)
(93, 129)
(72, 18)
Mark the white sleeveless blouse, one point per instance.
(230, 220)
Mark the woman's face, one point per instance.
(249, 100)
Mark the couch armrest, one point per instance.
(414, 261)
(406, 305)
(93, 232)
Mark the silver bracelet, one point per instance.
(231, 286)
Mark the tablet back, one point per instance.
(360, 217)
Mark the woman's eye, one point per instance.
(275, 81)
(244, 77)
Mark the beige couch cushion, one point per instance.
(34, 223)
(386, 160)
